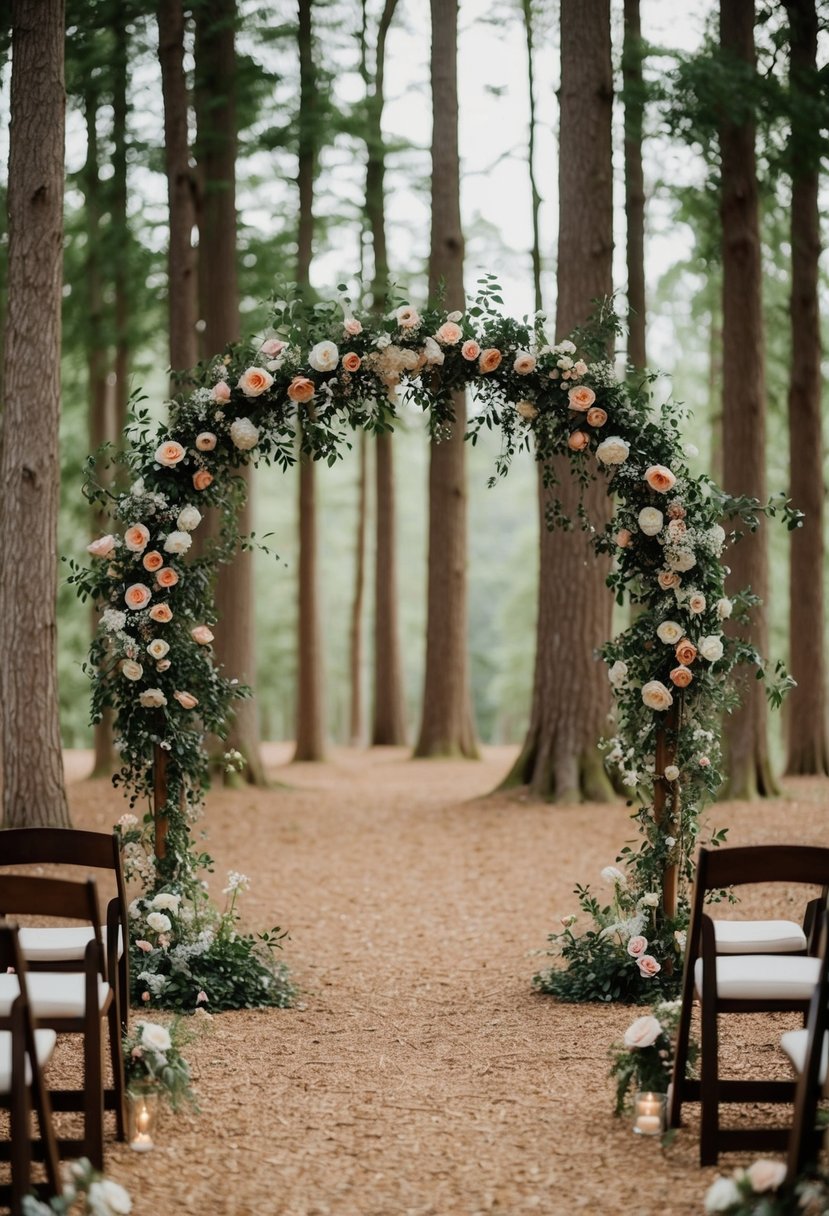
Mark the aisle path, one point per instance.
(422, 1077)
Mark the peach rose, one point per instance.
(202, 634)
(221, 391)
(352, 362)
(636, 947)
(581, 398)
(255, 381)
(162, 613)
(489, 360)
(352, 326)
(206, 441)
(104, 546)
(623, 538)
(470, 350)
(524, 363)
(186, 700)
(449, 334)
(526, 409)
(301, 389)
(163, 665)
(166, 577)
(596, 416)
(685, 652)
(152, 561)
(681, 676)
(656, 696)
(697, 603)
(660, 479)
(577, 441)
(170, 453)
(202, 479)
(648, 966)
(668, 579)
(137, 596)
(136, 538)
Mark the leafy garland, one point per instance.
(298, 394)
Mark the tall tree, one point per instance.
(559, 758)
(807, 743)
(216, 151)
(388, 715)
(447, 727)
(310, 714)
(33, 785)
(356, 724)
(527, 8)
(634, 96)
(118, 208)
(181, 256)
(744, 391)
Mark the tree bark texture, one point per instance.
(181, 256)
(535, 196)
(120, 223)
(571, 699)
(216, 95)
(447, 727)
(807, 743)
(744, 404)
(310, 706)
(634, 184)
(33, 789)
(356, 723)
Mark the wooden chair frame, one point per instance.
(806, 1138)
(24, 1098)
(718, 869)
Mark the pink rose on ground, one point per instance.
(643, 1032)
(137, 596)
(170, 453)
(637, 946)
(206, 441)
(581, 398)
(255, 381)
(102, 547)
(449, 334)
(352, 326)
(202, 634)
(186, 700)
(489, 360)
(136, 538)
(648, 966)
(202, 997)
(660, 479)
(470, 350)
(272, 347)
(221, 391)
(524, 363)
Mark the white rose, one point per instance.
(716, 537)
(650, 899)
(766, 1175)
(682, 560)
(165, 902)
(724, 608)
(159, 923)
(690, 449)
(244, 434)
(696, 603)
(643, 1032)
(613, 450)
(669, 632)
(324, 357)
(131, 670)
(157, 648)
(722, 1194)
(711, 648)
(454, 316)
(613, 875)
(656, 696)
(650, 521)
(155, 1036)
(206, 441)
(178, 542)
(618, 674)
(566, 347)
(189, 518)
(152, 698)
(671, 773)
(432, 352)
(108, 1198)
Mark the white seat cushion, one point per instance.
(794, 1044)
(758, 937)
(61, 944)
(757, 977)
(44, 1046)
(52, 994)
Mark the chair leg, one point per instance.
(20, 1126)
(117, 1061)
(683, 1035)
(93, 1103)
(709, 1075)
(124, 989)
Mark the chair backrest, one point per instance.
(11, 958)
(65, 846)
(25, 896)
(805, 1140)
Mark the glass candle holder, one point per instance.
(142, 1109)
(649, 1113)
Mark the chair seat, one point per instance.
(59, 945)
(44, 1046)
(757, 937)
(795, 1042)
(52, 994)
(762, 977)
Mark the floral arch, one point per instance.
(152, 662)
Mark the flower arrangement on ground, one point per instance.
(321, 372)
(761, 1190)
(644, 1059)
(153, 1061)
(84, 1186)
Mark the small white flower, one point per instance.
(711, 648)
(236, 882)
(189, 518)
(690, 449)
(614, 876)
(716, 537)
(724, 608)
(244, 435)
(108, 1198)
(651, 899)
(650, 521)
(670, 841)
(178, 542)
(722, 1194)
(680, 560)
(618, 674)
(454, 316)
(158, 922)
(324, 357)
(155, 1036)
(113, 620)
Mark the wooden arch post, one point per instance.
(160, 786)
(666, 804)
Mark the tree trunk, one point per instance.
(447, 727)
(634, 90)
(33, 788)
(120, 225)
(807, 744)
(310, 714)
(744, 404)
(216, 97)
(571, 699)
(356, 725)
(181, 256)
(535, 196)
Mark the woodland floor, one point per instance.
(420, 1075)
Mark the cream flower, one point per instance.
(244, 435)
(724, 608)
(645, 1030)
(650, 521)
(711, 648)
(722, 1194)
(178, 542)
(618, 674)
(102, 547)
(526, 409)
(696, 603)
(524, 363)
(131, 670)
(671, 772)
(681, 560)
(152, 1034)
(613, 450)
(206, 441)
(152, 698)
(669, 632)
(407, 317)
(324, 357)
(766, 1175)
(157, 648)
(189, 518)
(656, 696)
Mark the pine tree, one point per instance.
(634, 98)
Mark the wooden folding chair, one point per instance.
(76, 1002)
(739, 983)
(808, 1052)
(23, 1052)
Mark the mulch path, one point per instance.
(420, 1075)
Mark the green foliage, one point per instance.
(153, 1061)
(85, 1186)
(644, 1060)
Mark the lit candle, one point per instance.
(648, 1121)
(142, 1141)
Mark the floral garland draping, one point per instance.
(300, 392)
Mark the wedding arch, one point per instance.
(323, 373)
